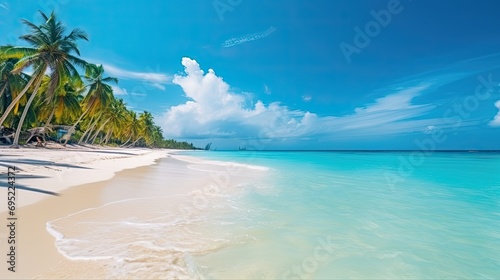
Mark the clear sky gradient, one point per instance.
(296, 74)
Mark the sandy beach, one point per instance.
(42, 191)
(53, 185)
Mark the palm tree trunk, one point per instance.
(108, 136)
(91, 132)
(92, 123)
(15, 144)
(81, 117)
(3, 89)
(1, 93)
(135, 141)
(99, 130)
(49, 119)
(19, 96)
(87, 139)
(74, 126)
(128, 140)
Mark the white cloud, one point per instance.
(496, 120)
(118, 90)
(248, 38)
(394, 101)
(149, 79)
(158, 86)
(141, 76)
(216, 111)
(306, 98)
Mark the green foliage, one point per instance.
(86, 108)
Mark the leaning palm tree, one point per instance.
(64, 105)
(116, 120)
(10, 84)
(146, 125)
(99, 95)
(50, 50)
(132, 127)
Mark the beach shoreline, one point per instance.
(42, 173)
(54, 180)
(88, 180)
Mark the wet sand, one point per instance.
(175, 183)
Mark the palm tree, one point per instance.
(132, 127)
(64, 105)
(100, 93)
(157, 137)
(10, 84)
(50, 50)
(146, 128)
(117, 115)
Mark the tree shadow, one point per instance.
(40, 163)
(26, 188)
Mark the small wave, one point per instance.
(145, 237)
(196, 160)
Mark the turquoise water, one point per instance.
(364, 215)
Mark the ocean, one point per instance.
(301, 215)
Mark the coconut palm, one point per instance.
(11, 85)
(132, 127)
(99, 95)
(146, 128)
(51, 49)
(117, 115)
(64, 105)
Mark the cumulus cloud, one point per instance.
(216, 111)
(247, 38)
(306, 98)
(496, 120)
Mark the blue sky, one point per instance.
(297, 74)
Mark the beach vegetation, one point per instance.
(47, 86)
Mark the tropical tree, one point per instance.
(116, 119)
(51, 49)
(132, 127)
(10, 84)
(64, 105)
(100, 94)
(146, 128)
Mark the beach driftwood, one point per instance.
(7, 134)
(38, 132)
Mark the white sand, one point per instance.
(61, 169)
(64, 168)
(80, 176)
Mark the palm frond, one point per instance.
(110, 79)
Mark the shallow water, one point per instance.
(313, 215)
